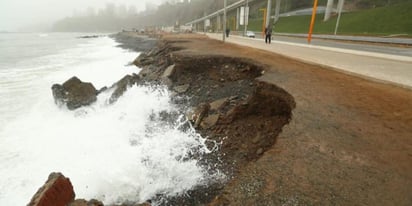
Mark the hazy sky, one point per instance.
(17, 14)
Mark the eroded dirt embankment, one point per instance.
(226, 103)
(348, 143)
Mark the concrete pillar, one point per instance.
(224, 20)
(277, 11)
(246, 17)
(328, 10)
(219, 23)
(269, 8)
(237, 18)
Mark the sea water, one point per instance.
(112, 152)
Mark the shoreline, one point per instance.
(229, 103)
(334, 150)
(292, 133)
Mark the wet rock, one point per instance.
(88, 36)
(144, 204)
(216, 105)
(82, 202)
(143, 60)
(103, 89)
(57, 191)
(182, 88)
(200, 112)
(165, 78)
(149, 73)
(169, 71)
(122, 85)
(79, 202)
(190, 115)
(139, 43)
(209, 121)
(74, 93)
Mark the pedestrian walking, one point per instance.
(268, 35)
(227, 32)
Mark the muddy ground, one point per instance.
(346, 140)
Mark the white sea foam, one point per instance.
(111, 152)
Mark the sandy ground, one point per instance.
(349, 141)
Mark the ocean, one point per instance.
(114, 153)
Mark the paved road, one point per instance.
(372, 39)
(388, 68)
(384, 48)
(394, 46)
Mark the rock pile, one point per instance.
(74, 93)
(229, 105)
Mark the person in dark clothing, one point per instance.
(227, 32)
(268, 35)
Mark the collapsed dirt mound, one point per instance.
(226, 104)
(215, 77)
(251, 127)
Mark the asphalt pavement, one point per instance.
(377, 65)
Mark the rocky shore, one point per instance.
(226, 103)
(220, 95)
(289, 133)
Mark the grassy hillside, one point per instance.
(395, 19)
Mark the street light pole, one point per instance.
(264, 20)
(312, 21)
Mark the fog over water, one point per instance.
(24, 15)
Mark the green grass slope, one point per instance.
(395, 19)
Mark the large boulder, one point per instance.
(74, 93)
(57, 191)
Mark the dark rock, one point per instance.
(165, 78)
(135, 42)
(216, 105)
(200, 112)
(169, 71)
(57, 191)
(59, 93)
(182, 88)
(94, 202)
(122, 85)
(143, 60)
(89, 36)
(209, 121)
(83, 202)
(74, 93)
(79, 202)
(103, 89)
